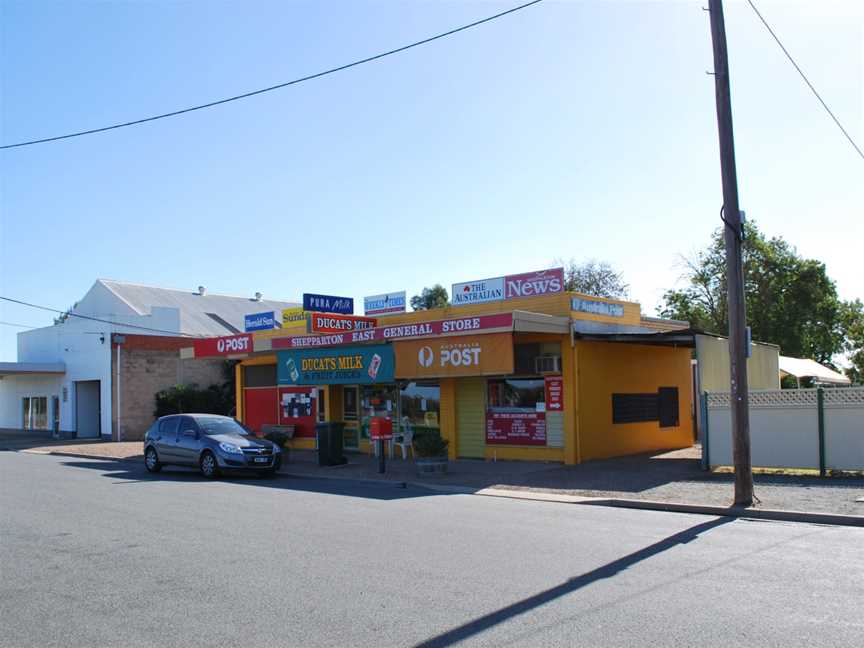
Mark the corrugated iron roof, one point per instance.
(210, 314)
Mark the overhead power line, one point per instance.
(96, 319)
(806, 80)
(26, 326)
(246, 95)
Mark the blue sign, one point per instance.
(328, 304)
(260, 321)
(347, 365)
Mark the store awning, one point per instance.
(32, 368)
(527, 322)
(804, 368)
(604, 332)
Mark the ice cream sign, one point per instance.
(352, 365)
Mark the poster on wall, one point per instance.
(516, 428)
(297, 408)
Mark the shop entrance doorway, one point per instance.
(350, 415)
(88, 409)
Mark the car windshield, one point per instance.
(213, 425)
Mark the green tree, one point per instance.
(434, 297)
(790, 300)
(594, 277)
(854, 325)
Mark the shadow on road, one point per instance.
(609, 570)
(131, 473)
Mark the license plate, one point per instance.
(261, 459)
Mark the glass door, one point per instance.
(350, 411)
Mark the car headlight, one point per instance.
(230, 448)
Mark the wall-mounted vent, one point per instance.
(258, 296)
(202, 290)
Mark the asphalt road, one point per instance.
(98, 553)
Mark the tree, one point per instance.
(596, 278)
(854, 347)
(434, 297)
(790, 300)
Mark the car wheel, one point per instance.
(209, 467)
(151, 461)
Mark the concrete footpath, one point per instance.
(670, 481)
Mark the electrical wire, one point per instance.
(96, 319)
(26, 326)
(806, 80)
(246, 95)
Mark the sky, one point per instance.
(572, 129)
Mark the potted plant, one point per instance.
(430, 452)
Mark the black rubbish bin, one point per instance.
(330, 443)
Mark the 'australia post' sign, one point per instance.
(223, 346)
(349, 365)
(328, 304)
(527, 284)
(259, 321)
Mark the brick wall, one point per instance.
(149, 364)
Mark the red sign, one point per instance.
(530, 284)
(554, 394)
(456, 326)
(516, 428)
(223, 346)
(331, 323)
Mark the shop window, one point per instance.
(322, 406)
(523, 358)
(420, 404)
(516, 394)
(641, 408)
(349, 403)
(35, 412)
(259, 376)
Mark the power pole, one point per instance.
(733, 236)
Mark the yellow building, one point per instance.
(562, 377)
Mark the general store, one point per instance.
(522, 370)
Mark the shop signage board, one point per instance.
(477, 292)
(454, 326)
(516, 428)
(531, 284)
(554, 393)
(328, 303)
(294, 319)
(223, 346)
(332, 323)
(259, 321)
(596, 307)
(394, 302)
(527, 284)
(356, 365)
(464, 355)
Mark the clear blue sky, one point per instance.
(571, 129)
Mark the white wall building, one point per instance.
(63, 378)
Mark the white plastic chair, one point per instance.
(405, 440)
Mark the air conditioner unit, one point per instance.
(547, 364)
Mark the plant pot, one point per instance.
(431, 465)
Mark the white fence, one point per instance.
(821, 429)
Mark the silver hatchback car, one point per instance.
(209, 442)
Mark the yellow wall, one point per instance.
(605, 368)
(712, 353)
